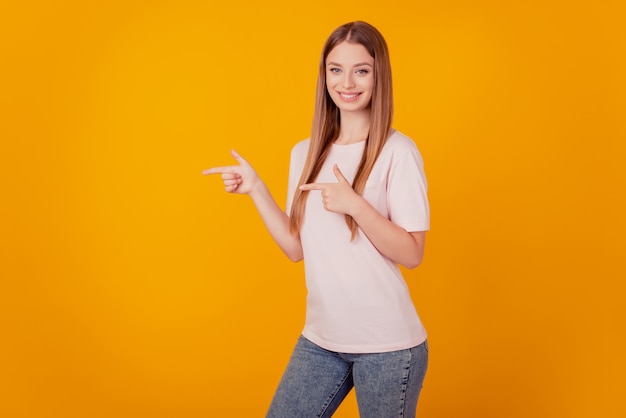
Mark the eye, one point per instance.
(334, 70)
(362, 71)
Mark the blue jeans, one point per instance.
(317, 380)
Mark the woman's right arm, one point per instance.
(243, 179)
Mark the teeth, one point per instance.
(348, 96)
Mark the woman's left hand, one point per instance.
(337, 197)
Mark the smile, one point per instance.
(349, 97)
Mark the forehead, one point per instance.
(346, 53)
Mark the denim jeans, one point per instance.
(317, 380)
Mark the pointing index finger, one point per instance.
(219, 170)
(314, 186)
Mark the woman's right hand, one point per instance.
(240, 179)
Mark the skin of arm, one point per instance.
(393, 241)
(243, 179)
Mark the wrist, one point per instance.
(359, 208)
(257, 189)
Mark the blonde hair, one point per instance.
(326, 119)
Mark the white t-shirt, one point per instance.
(358, 301)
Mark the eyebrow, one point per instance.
(360, 64)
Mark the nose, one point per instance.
(348, 80)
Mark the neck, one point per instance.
(355, 127)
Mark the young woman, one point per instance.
(356, 209)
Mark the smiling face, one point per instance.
(350, 76)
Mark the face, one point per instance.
(350, 76)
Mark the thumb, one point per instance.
(339, 175)
(238, 157)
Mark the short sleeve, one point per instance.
(407, 199)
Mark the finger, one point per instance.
(230, 176)
(219, 170)
(232, 182)
(238, 157)
(339, 174)
(314, 186)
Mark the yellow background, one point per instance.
(131, 286)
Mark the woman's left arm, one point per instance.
(393, 241)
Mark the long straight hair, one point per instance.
(326, 118)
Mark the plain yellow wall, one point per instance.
(131, 286)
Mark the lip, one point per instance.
(349, 97)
